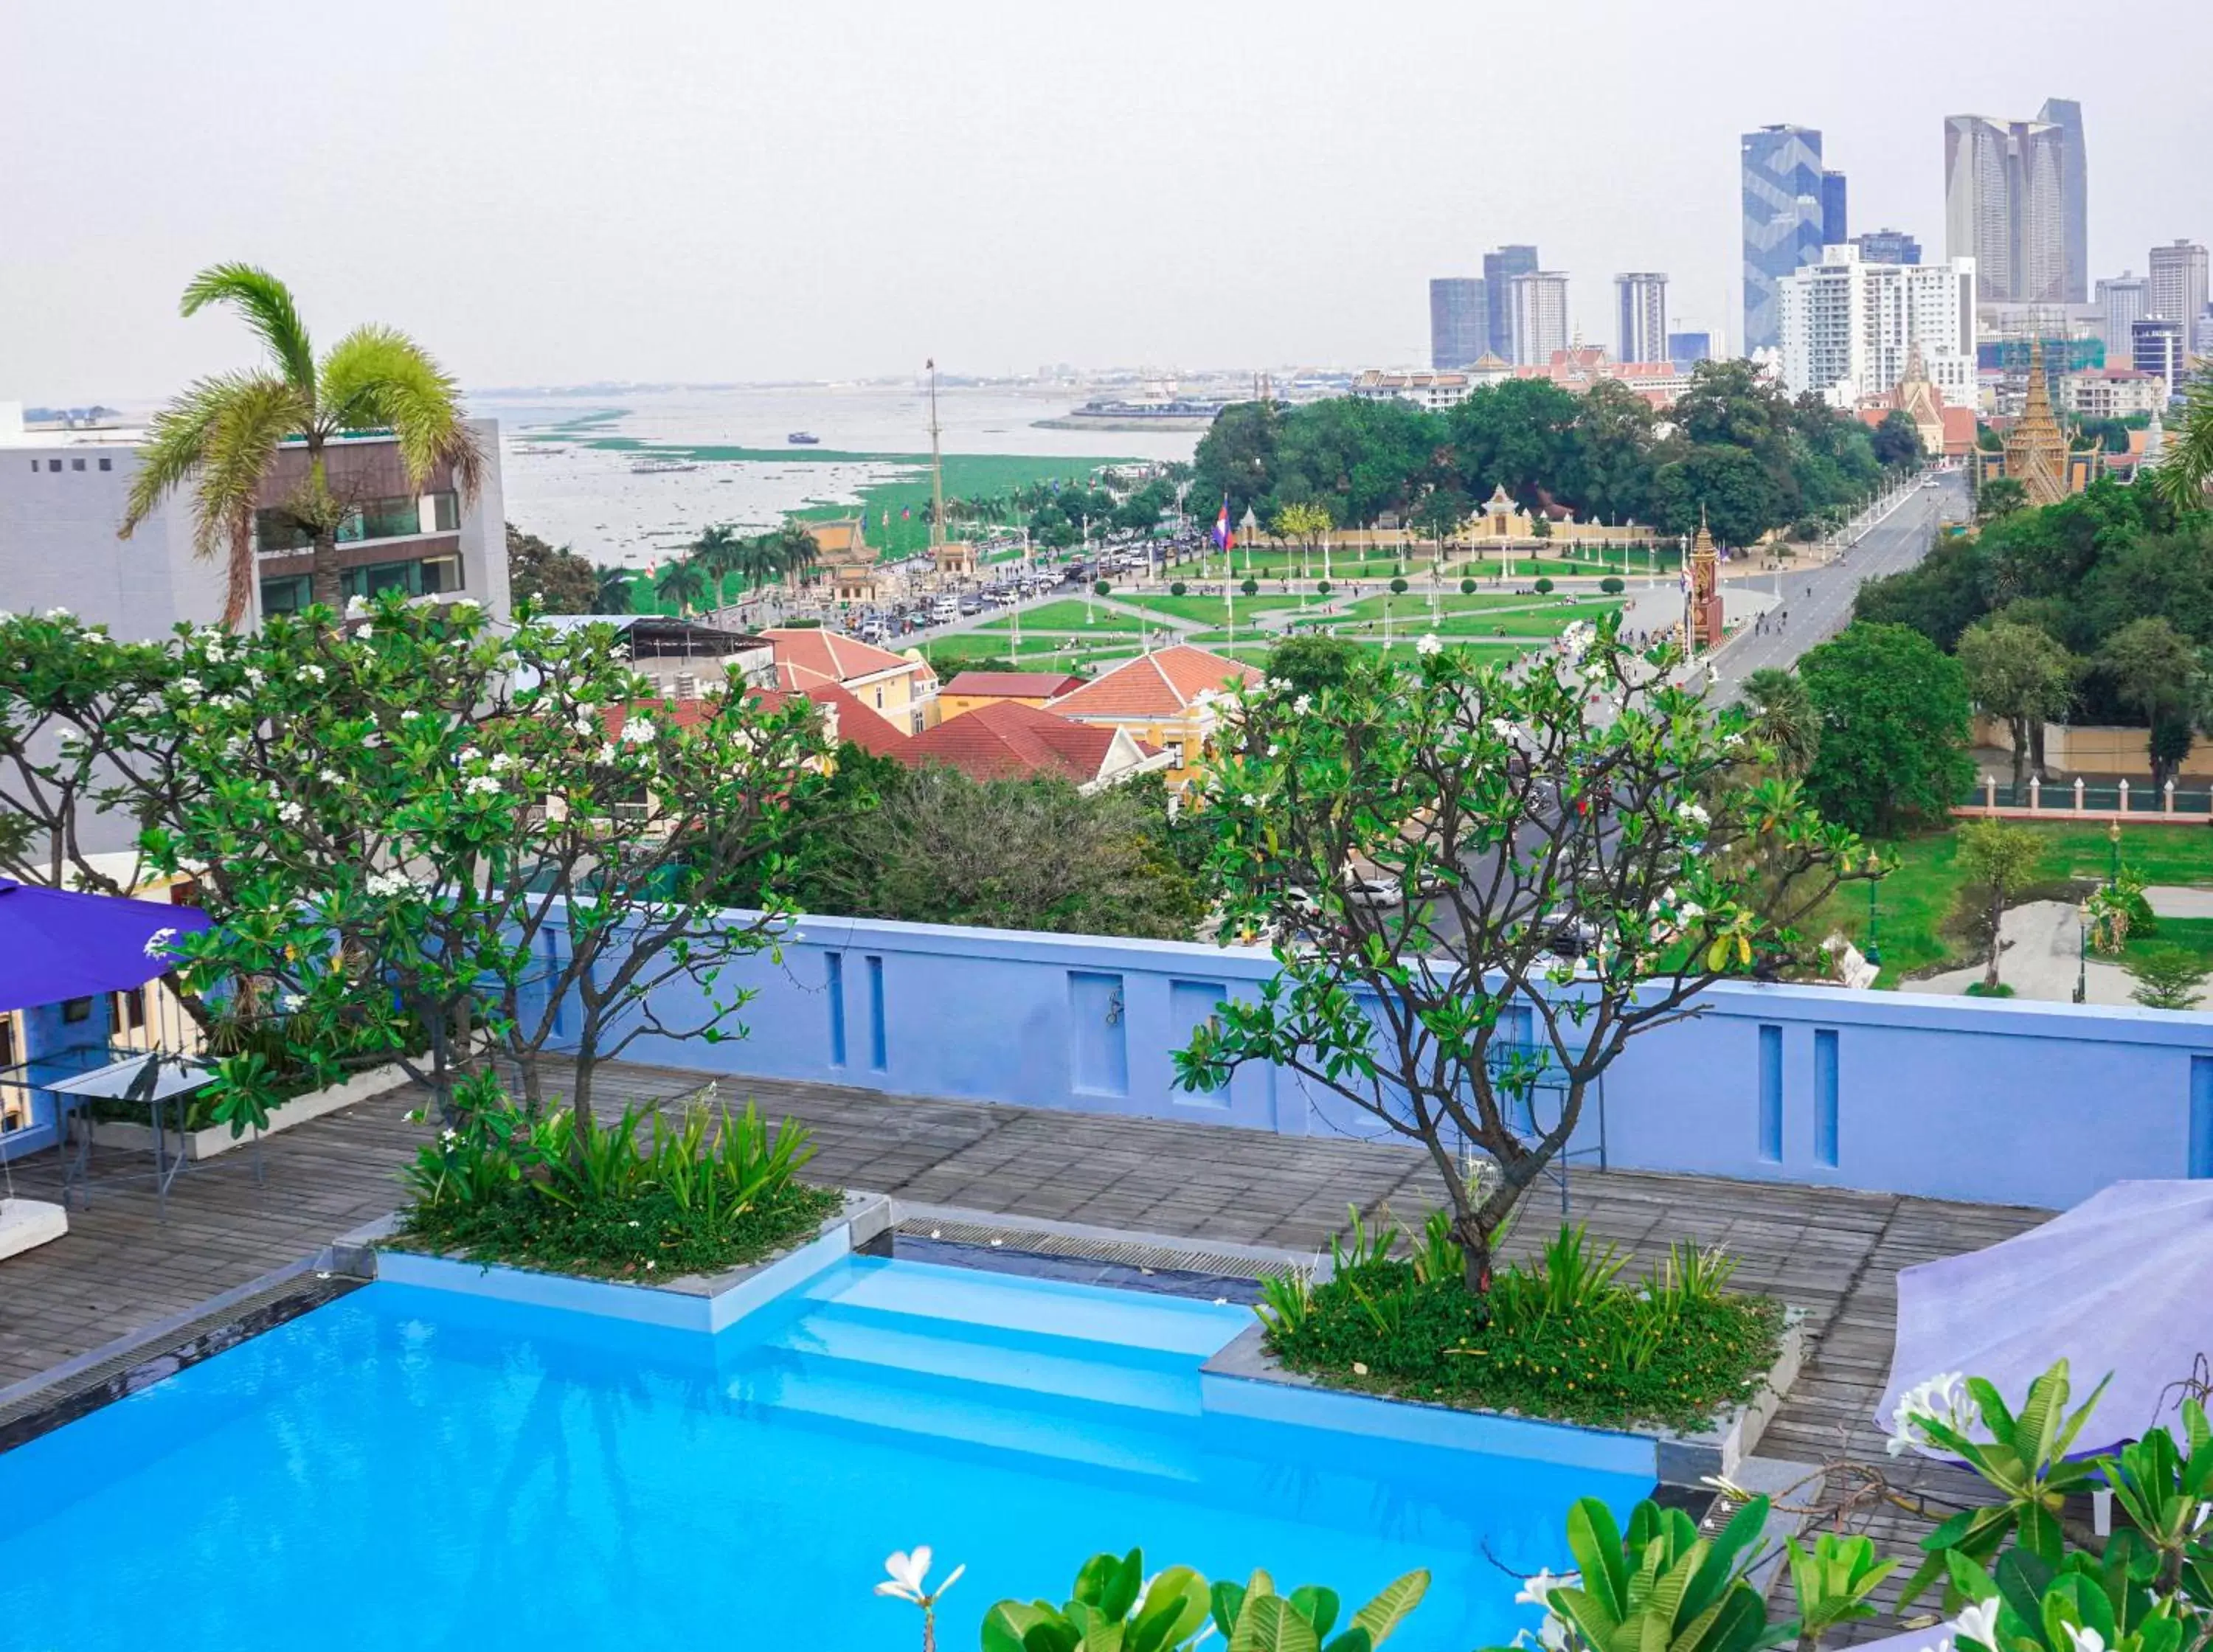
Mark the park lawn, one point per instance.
(1206, 610)
(1452, 602)
(1914, 900)
(951, 653)
(1066, 614)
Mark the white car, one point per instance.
(1379, 893)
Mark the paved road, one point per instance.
(1819, 601)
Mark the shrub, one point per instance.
(1611, 585)
(712, 1191)
(1178, 589)
(1101, 588)
(1467, 588)
(1565, 1338)
(2168, 977)
(1321, 587)
(1251, 586)
(1397, 586)
(1544, 587)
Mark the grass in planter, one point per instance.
(1563, 1340)
(715, 1191)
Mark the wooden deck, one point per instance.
(1834, 1254)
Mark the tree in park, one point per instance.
(2020, 673)
(1440, 514)
(614, 590)
(1784, 720)
(2168, 977)
(2155, 672)
(1897, 441)
(556, 581)
(1305, 524)
(2001, 495)
(222, 436)
(1895, 719)
(720, 552)
(684, 582)
(1577, 844)
(1999, 859)
(1314, 662)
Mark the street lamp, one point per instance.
(1873, 950)
(2082, 952)
(2113, 842)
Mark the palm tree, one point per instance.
(2185, 472)
(683, 582)
(798, 552)
(760, 561)
(614, 591)
(223, 435)
(1783, 716)
(717, 551)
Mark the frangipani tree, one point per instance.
(1584, 845)
(220, 437)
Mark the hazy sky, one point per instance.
(553, 192)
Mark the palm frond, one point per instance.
(2185, 470)
(377, 377)
(266, 305)
(235, 453)
(174, 444)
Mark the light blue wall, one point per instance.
(1953, 1098)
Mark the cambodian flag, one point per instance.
(1222, 536)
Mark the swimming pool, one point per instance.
(411, 1468)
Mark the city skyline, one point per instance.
(565, 199)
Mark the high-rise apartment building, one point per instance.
(2006, 204)
(1538, 306)
(1848, 326)
(1836, 220)
(1460, 323)
(2158, 345)
(1781, 169)
(1887, 247)
(2074, 192)
(2178, 285)
(2122, 301)
(1640, 302)
(1499, 269)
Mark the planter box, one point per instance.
(26, 1223)
(217, 1138)
(707, 1302)
(1244, 1379)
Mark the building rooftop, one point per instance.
(1162, 684)
(1011, 740)
(1012, 685)
(806, 656)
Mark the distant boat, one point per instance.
(804, 439)
(655, 467)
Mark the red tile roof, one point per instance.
(1012, 685)
(866, 727)
(825, 656)
(1011, 739)
(1158, 684)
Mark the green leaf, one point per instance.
(1173, 1609)
(1389, 1608)
(1225, 1600)
(1005, 1623)
(1318, 1605)
(1268, 1623)
(1595, 1542)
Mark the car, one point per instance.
(1568, 934)
(971, 604)
(1379, 893)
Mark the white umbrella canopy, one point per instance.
(2121, 1284)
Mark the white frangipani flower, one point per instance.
(909, 1575)
(638, 731)
(291, 814)
(157, 944)
(1980, 1622)
(1943, 1398)
(1301, 705)
(1538, 1591)
(1428, 645)
(481, 785)
(2083, 1640)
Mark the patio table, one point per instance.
(158, 1081)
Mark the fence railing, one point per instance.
(2138, 801)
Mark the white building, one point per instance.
(2112, 393)
(1848, 326)
(2122, 301)
(1427, 389)
(1537, 310)
(62, 493)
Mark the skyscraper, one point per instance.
(1640, 302)
(2074, 194)
(1781, 180)
(1686, 350)
(1850, 328)
(2178, 285)
(1835, 221)
(2122, 300)
(1460, 326)
(1538, 306)
(1887, 247)
(1499, 269)
(2006, 203)
(2156, 345)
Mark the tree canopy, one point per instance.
(1894, 724)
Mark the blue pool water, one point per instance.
(409, 1468)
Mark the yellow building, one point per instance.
(901, 688)
(972, 691)
(1173, 699)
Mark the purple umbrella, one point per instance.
(2118, 1284)
(57, 944)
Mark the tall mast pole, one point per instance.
(936, 468)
